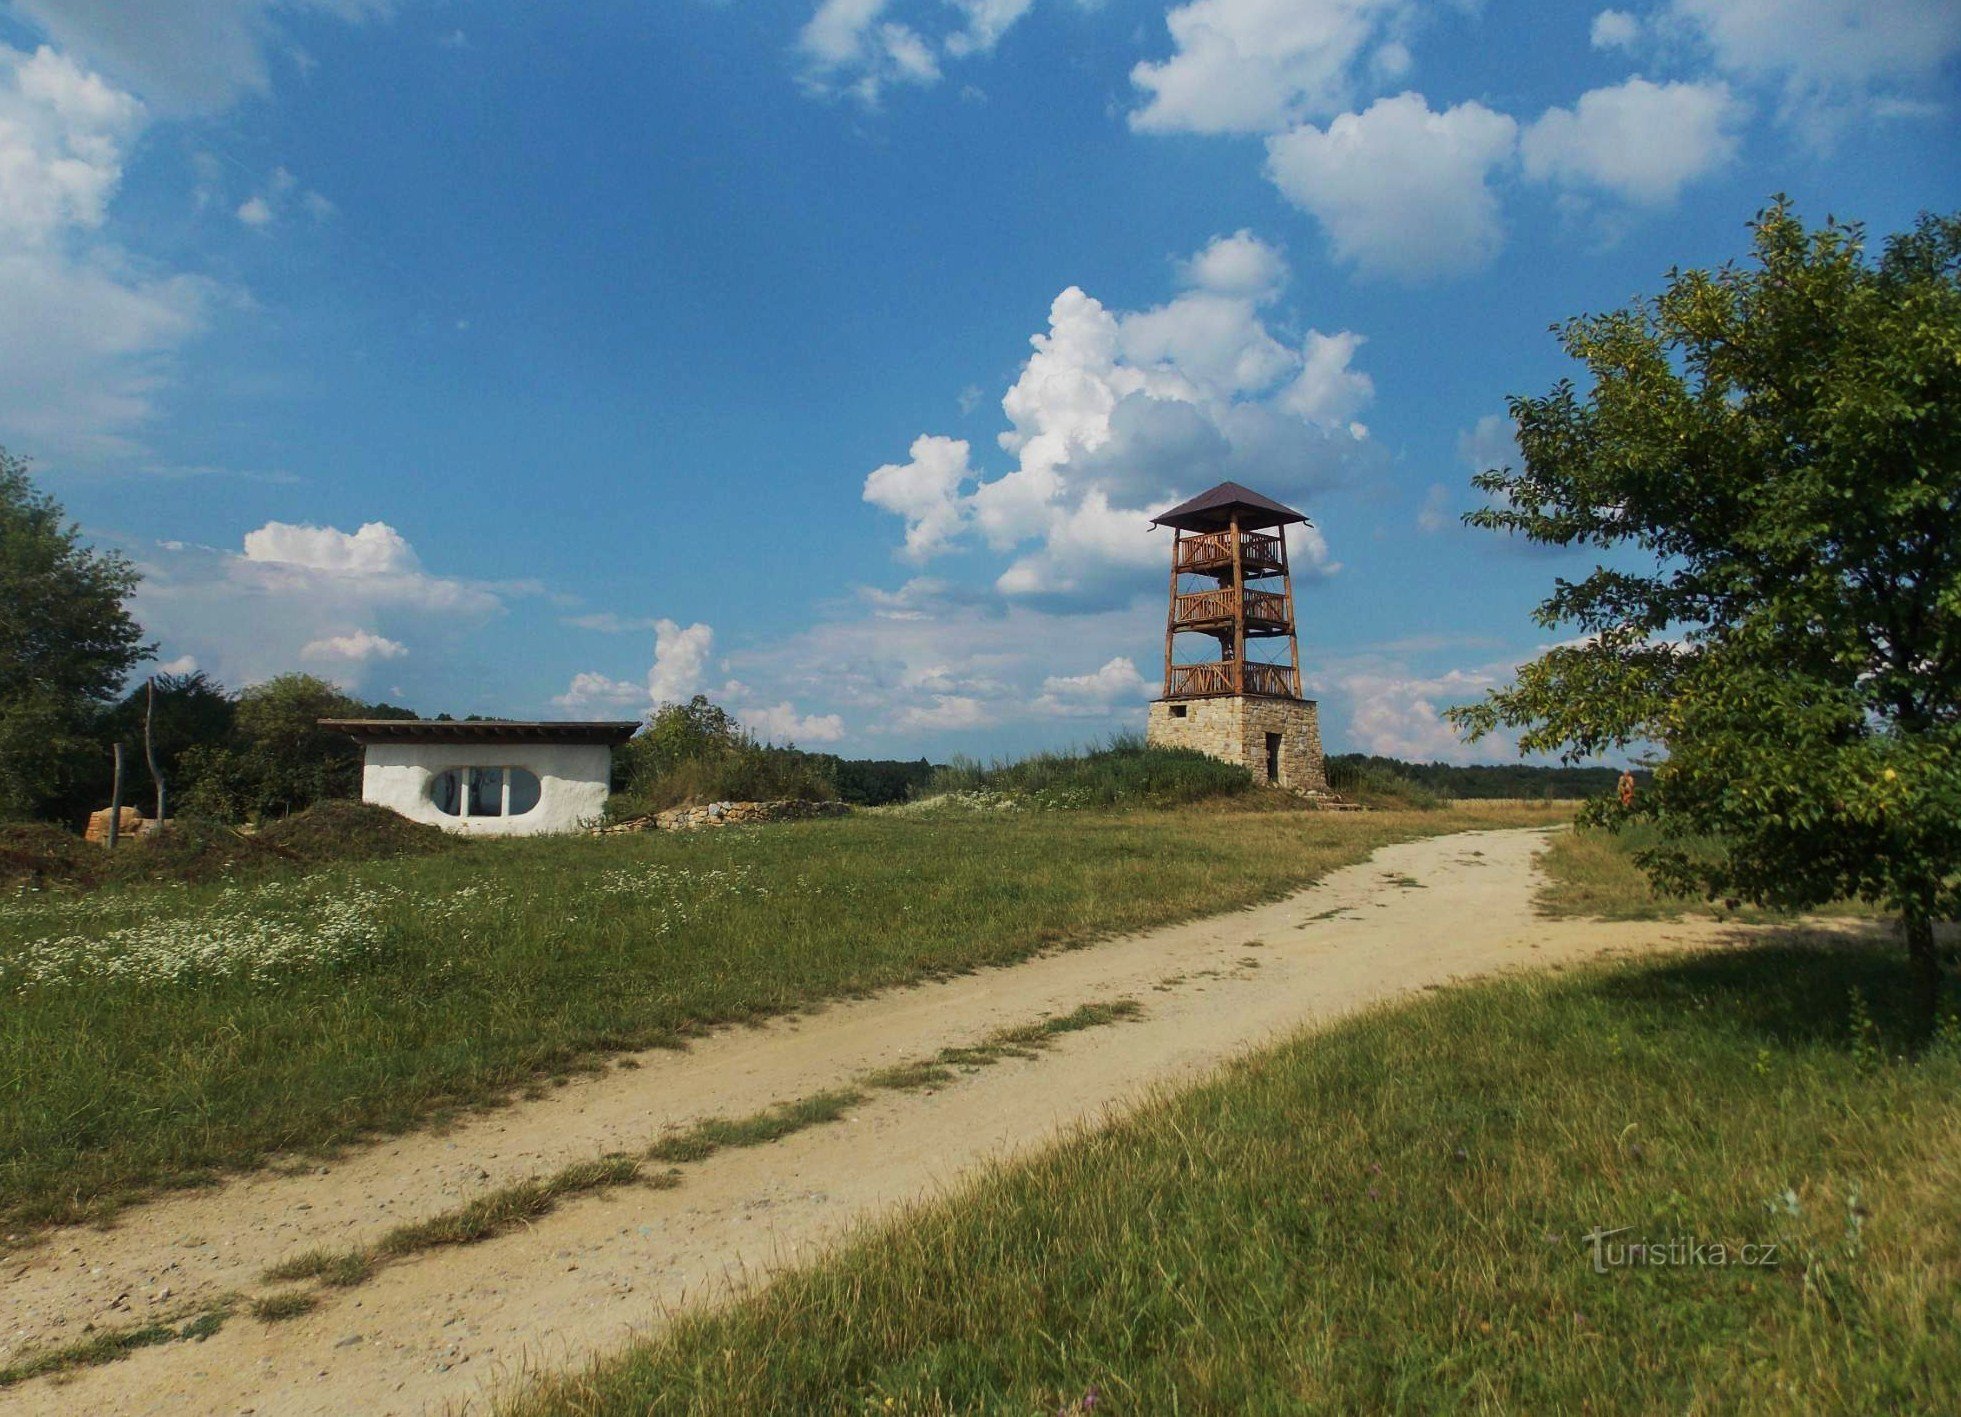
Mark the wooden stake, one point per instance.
(116, 799)
(150, 747)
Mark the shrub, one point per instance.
(1125, 771)
(1374, 784)
(36, 854)
(697, 752)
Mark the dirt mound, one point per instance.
(36, 854)
(353, 831)
(190, 851)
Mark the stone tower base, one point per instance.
(1256, 732)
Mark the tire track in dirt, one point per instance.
(451, 1326)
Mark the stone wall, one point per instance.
(1235, 728)
(729, 814)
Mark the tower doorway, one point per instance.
(1273, 759)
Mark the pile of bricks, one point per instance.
(132, 823)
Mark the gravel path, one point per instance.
(450, 1327)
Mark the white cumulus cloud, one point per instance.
(1239, 265)
(1401, 716)
(376, 548)
(1638, 140)
(87, 334)
(781, 723)
(1255, 66)
(947, 712)
(1491, 442)
(1829, 58)
(589, 691)
(297, 593)
(680, 661)
(357, 646)
(1614, 29)
(926, 492)
(1400, 190)
(1094, 694)
(1434, 515)
(1117, 414)
(184, 56)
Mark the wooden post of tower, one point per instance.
(1171, 614)
(1240, 706)
(1238, 607)
(1287, 588)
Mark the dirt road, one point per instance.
(451, 1326)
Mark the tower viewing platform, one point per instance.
(1240, 697)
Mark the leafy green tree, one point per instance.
(67, 642)
(680, 733)
(699, 751)
(280, 759)
(1773, 453)
(191, 710)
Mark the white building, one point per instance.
(487, 778)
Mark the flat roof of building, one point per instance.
(481, 730)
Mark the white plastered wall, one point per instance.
(573, 779)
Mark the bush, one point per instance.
(193, 849)
(1373, 784)
(1125, 771)
(874, 782)
(36, 854)
(697, 752)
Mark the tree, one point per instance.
(280, 760)
(191, 711)
(1773, 453)
(67, 641)
(696, 731)
(699, 751)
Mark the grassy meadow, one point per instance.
(1592, 873)
(159, 1034)
(1394, 1215)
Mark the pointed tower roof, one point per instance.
(1213, 511)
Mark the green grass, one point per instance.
(291, 1304)
(1592, 873)
(482, 1218)
(508, 1207)
(110, 1345)
(1024, 1041)
(1126, 771)
(338, 1269)
(1392, 1215)
(156, 1036)
(705, 1138)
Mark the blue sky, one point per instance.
(556, 360)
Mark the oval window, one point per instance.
(446, 792)
(485, 792)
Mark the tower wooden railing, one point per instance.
(1210, 553)
(1207, 607)
(1231, 612)
(1215, 677)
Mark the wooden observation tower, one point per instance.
(1230, 584)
